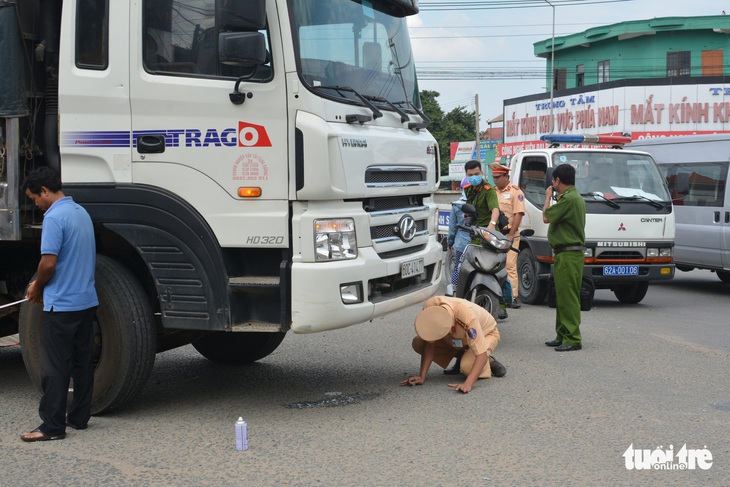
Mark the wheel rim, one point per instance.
(483, 301)
(526, 278)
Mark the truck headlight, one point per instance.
(652, 252)
(665, 252)
(334, 239)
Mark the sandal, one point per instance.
(43, 437)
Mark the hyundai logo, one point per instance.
(406, 228)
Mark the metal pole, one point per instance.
(552, 69)
(476, 104)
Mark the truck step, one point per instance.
(253, 282)
(257, 327)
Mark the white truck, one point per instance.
(629, 220)
(251, 168)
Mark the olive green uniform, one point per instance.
(567, 220)
(483, 198)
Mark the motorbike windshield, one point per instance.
(617, 175)
(354, 44)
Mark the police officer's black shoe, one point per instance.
(455, 369)
(554, 343)
(498, 370)
(514, 304)
(502, 314)
(567, 348)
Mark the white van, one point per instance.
(696, 169)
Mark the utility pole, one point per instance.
(552, 70)
(476, 111)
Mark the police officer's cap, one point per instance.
(434, 323)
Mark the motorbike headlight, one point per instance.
(495, 241)
(334, 239)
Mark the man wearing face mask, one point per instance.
(482, 196)
(486, 202)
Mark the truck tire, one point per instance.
(532, 290)
(724, 276)
(631, 293)
(230, 348)
(124, 337)
(487, 300)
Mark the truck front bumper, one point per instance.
(317, 300)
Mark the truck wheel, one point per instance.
(237, 348)
(124, 337)
(487, 300)
(532, 290)
(724, 276)
(631, 293)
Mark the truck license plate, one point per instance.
(411, 268)
(620, 270)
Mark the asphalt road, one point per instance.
(327, 410)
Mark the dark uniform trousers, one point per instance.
(67, 343)
(568, 275)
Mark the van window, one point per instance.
(697, 184)
(181, 37)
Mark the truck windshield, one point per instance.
(615, 175)
(353, 44)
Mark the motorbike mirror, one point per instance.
(527, 232)
(469, 209)
(548, 177)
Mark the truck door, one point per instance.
(187, 135)
(93, 95)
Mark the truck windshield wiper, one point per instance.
(403, 115)
(603, 198)
(415, 125)
(654, 203)
(376, 113)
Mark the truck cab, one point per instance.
(251, 168)
(629, 215)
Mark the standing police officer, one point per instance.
(566, 236)
(512, 204)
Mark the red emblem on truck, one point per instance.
(252, 135)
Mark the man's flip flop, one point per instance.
(43, 437)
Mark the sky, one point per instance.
(500, 41)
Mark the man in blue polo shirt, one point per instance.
(65, 286)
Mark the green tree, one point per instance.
(456, 126)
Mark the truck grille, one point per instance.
(383, 176)
(401, 252)
(619, 255)
(386, 231)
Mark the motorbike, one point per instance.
(483, 273)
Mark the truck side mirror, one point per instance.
(242, 48)
(549, 177)
(683, 183)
